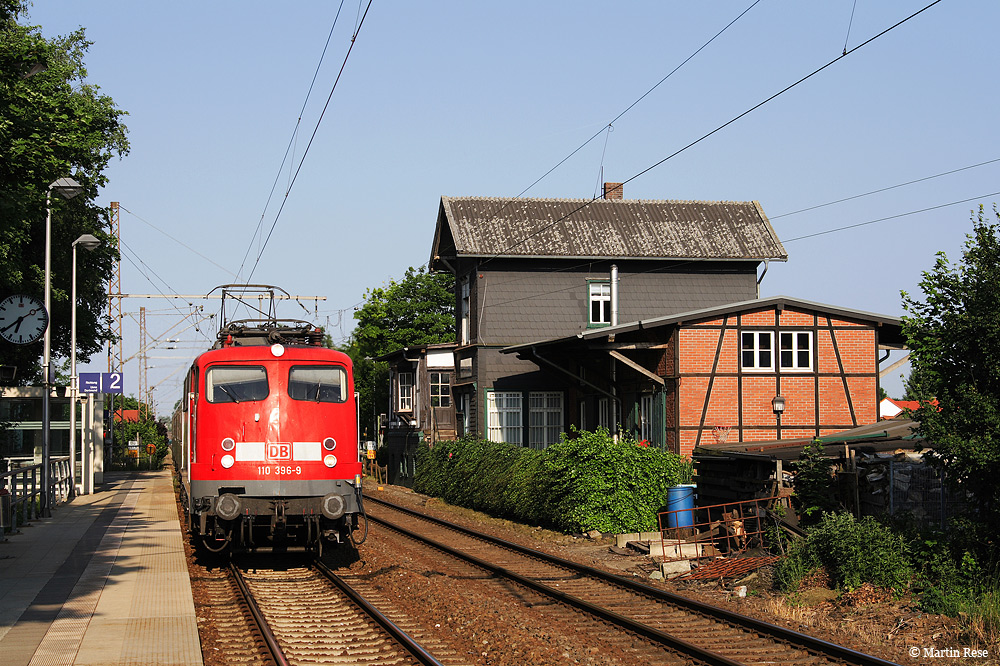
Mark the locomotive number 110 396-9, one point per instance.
(279, 470)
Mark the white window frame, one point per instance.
(545, 418)
(504, 416)
(441, 389)
(599, 294)
(796, 349)
(604, 419)
(756, 350)
(404, 392)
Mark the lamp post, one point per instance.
(67, 188)
(87, 242)
(778, 405)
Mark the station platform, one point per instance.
(103, 581)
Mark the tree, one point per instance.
(417, 310)
(147, 430)
(954, 341)
(52, 124)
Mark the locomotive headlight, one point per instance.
(227, 461)
(228, 444)
(329, 443)
(330, 460)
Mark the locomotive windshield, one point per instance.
(318, 383)
(232, 383)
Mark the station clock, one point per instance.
(23, 319)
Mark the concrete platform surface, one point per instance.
(103, 581)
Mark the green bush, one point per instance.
(499, 479)
(950, 580)
(598, 483)
(947, 577)
(586, 481)
(861, 551)
(853, 552)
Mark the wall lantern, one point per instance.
(778, 405)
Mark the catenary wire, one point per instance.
(890, 217)
(291, 140)
(849, 24)
(885, 189)
(775, 217)
(585, 204)
(627, 109)
(179, 242)
(309, 144)
(143, 273)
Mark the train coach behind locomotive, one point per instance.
(269, 454)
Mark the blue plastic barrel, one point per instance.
(680, 501)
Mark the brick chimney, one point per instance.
(613, 191)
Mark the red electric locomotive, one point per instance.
(269, 448)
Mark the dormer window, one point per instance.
(600, 303)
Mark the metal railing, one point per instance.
(719, 530)
(21, 492)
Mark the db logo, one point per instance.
(278, 452)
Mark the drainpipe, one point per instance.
(614, 368)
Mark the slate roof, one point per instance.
(603, 228)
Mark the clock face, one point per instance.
(23, 319)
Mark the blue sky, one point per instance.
(482, 98)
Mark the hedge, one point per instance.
(587, 481)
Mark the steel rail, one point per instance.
(810, 643)
(404, 639)
(665, 639)
(265, 629)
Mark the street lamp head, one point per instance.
(67, 187)
(778, 404)
(87, 242)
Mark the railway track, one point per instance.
(677, 628)
(227, 617)
(309, 615)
